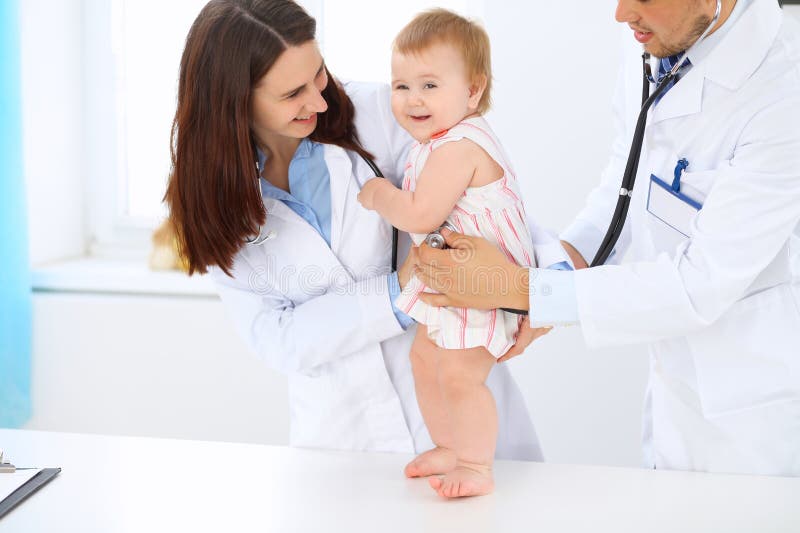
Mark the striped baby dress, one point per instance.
(494, 212)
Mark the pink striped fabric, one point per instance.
(494, 212)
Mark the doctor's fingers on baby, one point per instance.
(472, 273)
(525, 337)
(407, 268)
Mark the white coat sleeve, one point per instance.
(590, 225)
(377, 129)
(748, 216)
(305, 338)
(547, 247)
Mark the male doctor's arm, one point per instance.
(748, 216)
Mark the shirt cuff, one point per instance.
(552, 298)
(394, 292)
(563, 265)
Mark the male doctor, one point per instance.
(714, 216)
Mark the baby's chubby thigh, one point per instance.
(450, 367)
(423, 354)
(460, 371)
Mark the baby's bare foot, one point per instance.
(435, 461)
(464, 480)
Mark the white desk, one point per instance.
(132, 484)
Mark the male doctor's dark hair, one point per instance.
(212, 192)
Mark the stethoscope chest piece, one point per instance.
(435, 238)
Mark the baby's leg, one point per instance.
(473, 418)
(441, 459)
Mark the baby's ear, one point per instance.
(476, 90)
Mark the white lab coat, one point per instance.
(721, 310)
(323, 315)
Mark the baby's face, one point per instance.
(431, 91)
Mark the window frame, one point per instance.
(111, 231)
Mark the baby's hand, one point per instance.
(367, 194)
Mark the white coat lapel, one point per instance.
(685, 98)
(340, 169)
(277, 209)
(730, 63)
(744, 48)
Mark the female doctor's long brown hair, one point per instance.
(212, 193)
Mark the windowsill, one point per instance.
(117, 276)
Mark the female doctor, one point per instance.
(269, 148)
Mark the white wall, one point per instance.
(151, 366)
(555, 64)
(173, 367)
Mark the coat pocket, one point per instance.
(670, 214)
(751, 355)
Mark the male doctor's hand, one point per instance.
(472, 273)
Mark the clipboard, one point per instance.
(26, 489)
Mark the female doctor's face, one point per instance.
(666, 27)
(285, 102)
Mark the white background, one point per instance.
(149, 364)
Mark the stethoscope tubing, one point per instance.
(632, 165)
(628, 178)
(379, 174)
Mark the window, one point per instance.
(138, 59)
(151, 37)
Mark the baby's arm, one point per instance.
(448, 171)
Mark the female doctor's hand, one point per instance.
(525, 337)
(407, 268)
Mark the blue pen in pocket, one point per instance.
(666, 202)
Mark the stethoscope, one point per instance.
(379, 174)
(262, 237)
(631, 167)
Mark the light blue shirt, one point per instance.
(310, 197)
(309, 187)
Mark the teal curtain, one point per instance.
(15, 284)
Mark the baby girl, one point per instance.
(456, 173)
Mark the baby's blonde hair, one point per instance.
(440, 26)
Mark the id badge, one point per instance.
(673, 208)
